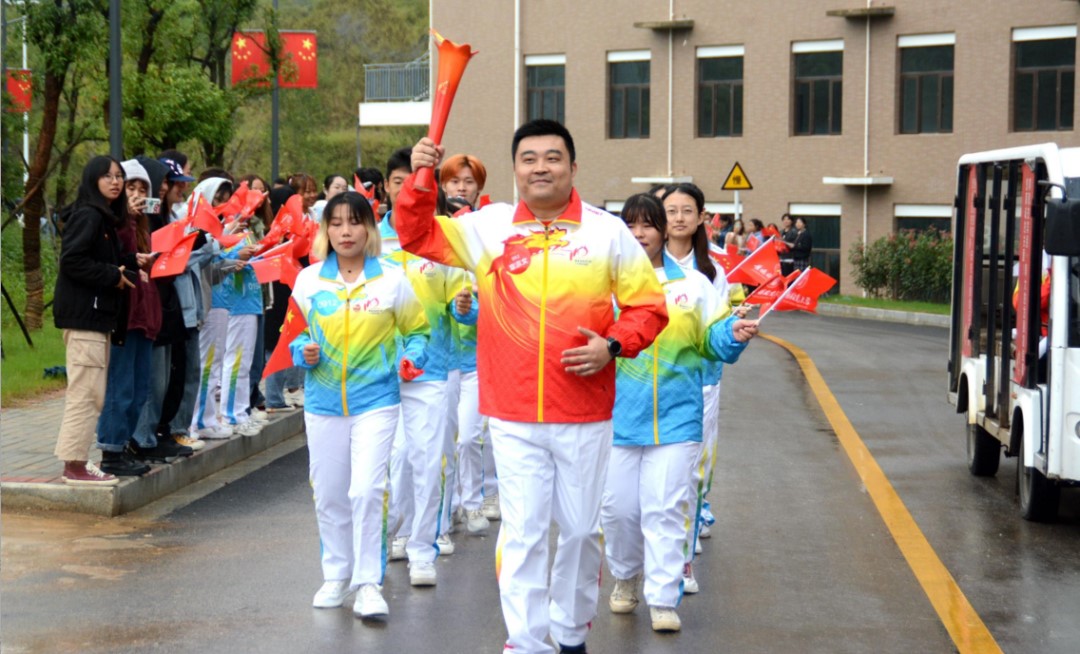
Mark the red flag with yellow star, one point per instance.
(19, 87)
(290, 329)
(249, 56)
(300, 65)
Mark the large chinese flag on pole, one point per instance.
(249, 56)
(300, 65)
(290, 329)
(20, 88)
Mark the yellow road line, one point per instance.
(964, 625)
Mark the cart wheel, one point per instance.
(983, 452)
(1039, 497)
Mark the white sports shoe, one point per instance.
(332, 594)
(446, 546)
(690, 585)
(624, 597)
(370, 603)
(397, 549)
(295, 398)
(212, 433)
(422, 573)
(664, 618)
(259, 416)
(697, 545)
(475, 522)
(704, 532)
(248, 428)
(490, 507)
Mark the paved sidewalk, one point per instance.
(30, 472)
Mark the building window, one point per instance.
(823, 221)
(819, 83)
(720, 91)
(628, 97)
(1044, 78)
(545, 87)
(926, 84)
(923, 217)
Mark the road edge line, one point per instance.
(967, 630)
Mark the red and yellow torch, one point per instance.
(452, 61)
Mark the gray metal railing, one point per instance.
(398, 82)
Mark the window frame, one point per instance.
(736, 89)
(1021, 37)
(907, 43)
(834, 88)
(538, 61)
(625, 90)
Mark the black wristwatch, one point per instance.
(614, 347)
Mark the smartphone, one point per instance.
(153, 205)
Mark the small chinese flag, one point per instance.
(235, 204)
(229, 240)
(724, 258)
(166, 238)
(757, 268)
(20, 88)
(267, 270)
(292, 327)
(767, 293)
(175, 260)
(250, 59)
(804, 292)
(290, 268)
(206, 219)
(300, 65)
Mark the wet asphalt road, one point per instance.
(800, 560)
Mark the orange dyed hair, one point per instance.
(453, 165)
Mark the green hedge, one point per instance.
(910, 265)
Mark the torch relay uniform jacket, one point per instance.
(537, 284)
(355, 327)
(658, 399)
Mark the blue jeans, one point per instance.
(182, 420)
(125, 391)
(292, 377)
(146, 429)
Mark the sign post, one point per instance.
(737, 181)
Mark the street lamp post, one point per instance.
(116, 135)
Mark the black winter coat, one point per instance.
(86, 295)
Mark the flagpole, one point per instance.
(783, 295)
(274, 122)
(116, 133)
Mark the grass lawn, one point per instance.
(895, 305)
(22, 372)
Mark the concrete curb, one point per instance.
(164, 479)
(885, 315)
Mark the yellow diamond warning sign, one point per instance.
(737, 180)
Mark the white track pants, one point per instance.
(211, 353)
(450, 487)
(417, 468)
(545, 471)
(701, 476)
(348, 462)
(236, 374)
(645, 515)
(476, 464)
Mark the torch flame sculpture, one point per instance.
(452, 61)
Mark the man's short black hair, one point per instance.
(543, 127)
(400, 159)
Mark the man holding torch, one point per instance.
(547, 270)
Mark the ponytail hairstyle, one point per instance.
(700, 240)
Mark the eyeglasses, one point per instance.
(114, 178)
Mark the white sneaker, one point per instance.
(331, 595)
(624, 597)
(259, 416)
(475, 522)
(211, 433)
(491, 507)
(445, 545)
(248, 428)
(697, 545)
(295, 398)
(704, 532)
(664, 618)
(690, 585)
(370, 603)
(421, 573)
(397, 549)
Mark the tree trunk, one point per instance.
(65, 157)
(35, 202)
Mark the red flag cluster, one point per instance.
(300, 59)
(294, 324)
(799, 291)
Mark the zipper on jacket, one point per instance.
(655, 393)
(345, 359)
(543, 328)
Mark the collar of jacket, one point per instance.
(572, 214)
(330, 268)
